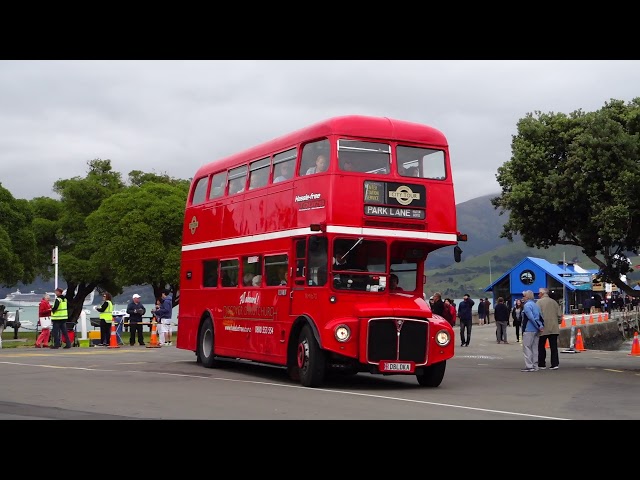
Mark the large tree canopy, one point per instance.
(138, 234)
(110, 234)
(18, 253)
(61, 223)
(575, 180)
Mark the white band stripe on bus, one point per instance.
(378, 232)
(382, 232)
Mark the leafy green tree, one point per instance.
(47, 211)
(18, 250)
(575, 180)
(138, 233)
(110, 234)
(62, 223)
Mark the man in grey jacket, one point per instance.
(552, 314)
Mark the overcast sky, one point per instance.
(173, 116)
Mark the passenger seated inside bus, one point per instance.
(285, 173)
(256, 281)
(227, 281)
(247, 279)
(282, 275)
(320, 166)
(258, 179)
(347, 165)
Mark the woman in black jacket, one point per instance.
(516, 315)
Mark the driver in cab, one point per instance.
(342, 259)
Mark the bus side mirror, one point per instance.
(457, 254)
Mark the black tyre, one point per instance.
(205, 344)
(310, 358)
(294, 372)
(432, 376)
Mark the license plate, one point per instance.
(399, 367)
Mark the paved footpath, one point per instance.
(483, 344)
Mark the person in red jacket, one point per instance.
(450, 304)
(44, 320)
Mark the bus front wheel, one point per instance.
(310, 359)
(205, 344)
(432, 375)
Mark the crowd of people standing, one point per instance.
(537, 324)
(161, 315)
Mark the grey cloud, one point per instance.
(173, 116)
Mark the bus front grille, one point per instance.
(391, 338)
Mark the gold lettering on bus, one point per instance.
(248, 312)
(373, 192)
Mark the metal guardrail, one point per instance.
(628, 322)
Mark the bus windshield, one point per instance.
(361, 265)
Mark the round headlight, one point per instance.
(342, 333)
(443, 338)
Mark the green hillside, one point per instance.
(474, 274)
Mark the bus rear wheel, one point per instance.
(310, 359)
(432, 375)
(205, 344)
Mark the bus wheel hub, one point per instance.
(303, 354)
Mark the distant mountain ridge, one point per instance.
(483, 225)
(486, 257)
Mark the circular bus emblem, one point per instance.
(404, 195)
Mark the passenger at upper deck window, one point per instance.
(320, 166)
(347, 165)
(285, 173)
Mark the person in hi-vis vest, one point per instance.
(59, 317)
(106, 318)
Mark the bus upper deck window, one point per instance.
(421, 162)
(259, 173)
(315, 157)
(217, 185)
(237, 179)
(200, 191)
(370, 157)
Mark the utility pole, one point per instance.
(54, 260)
(564, 286)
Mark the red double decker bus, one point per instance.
(308, 252)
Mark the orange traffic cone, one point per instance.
(546, 345)
(582, 322)
(600, 318)
(154, 336)
(573, 321)
(563, 324)
(113, 341)
(579, 345)
(635, 346)
(590, 318)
